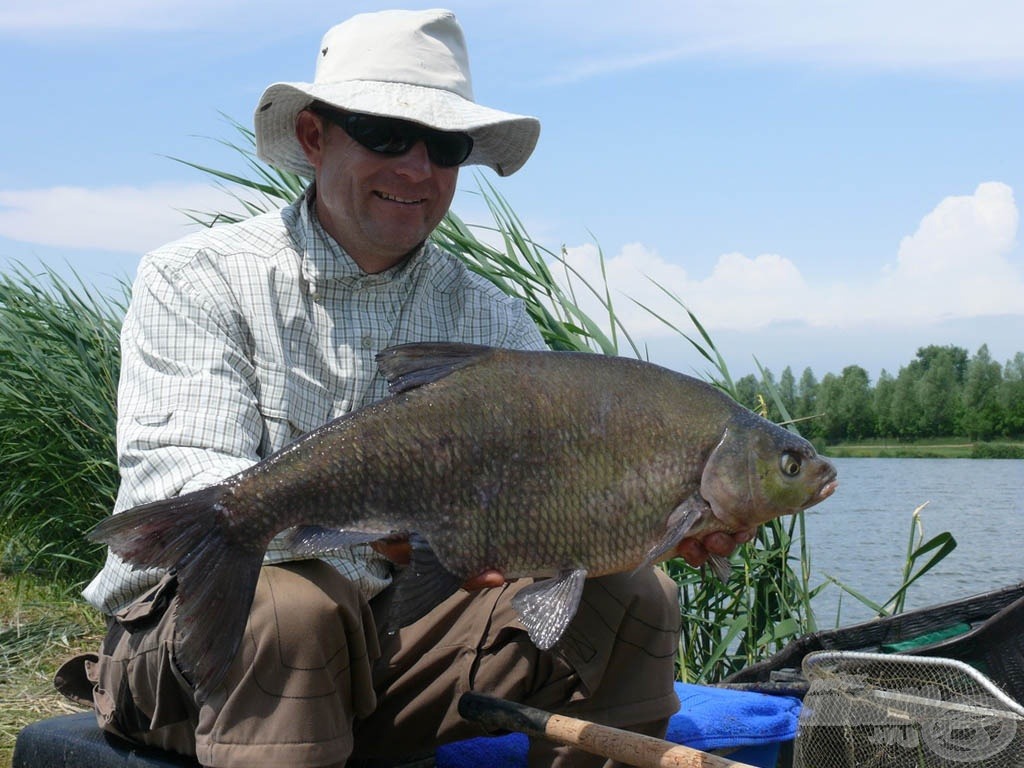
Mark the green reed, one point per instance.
(60, 357)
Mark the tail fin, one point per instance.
(216, 575)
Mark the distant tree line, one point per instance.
(943, 391)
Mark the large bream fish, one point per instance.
(545, 464)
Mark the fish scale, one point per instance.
(545, 464)
(529, 527)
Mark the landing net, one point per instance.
(867, 710)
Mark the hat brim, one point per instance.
(502, 141)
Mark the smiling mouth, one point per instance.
(396, 199)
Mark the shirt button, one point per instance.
(367, 341)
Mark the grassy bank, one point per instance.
(41, 625)
(935, 448)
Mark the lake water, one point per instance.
(860, 534)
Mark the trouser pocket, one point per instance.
(137, 687)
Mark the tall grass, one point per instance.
(60, 358)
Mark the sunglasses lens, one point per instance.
(388, 136)
(448, 149)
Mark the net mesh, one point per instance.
(869, 710)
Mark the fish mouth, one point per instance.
(826, 490)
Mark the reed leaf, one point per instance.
(940, 547)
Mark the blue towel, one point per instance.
(718, 718)
(708, 718)
(507, 751)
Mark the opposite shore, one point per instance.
(936, 448)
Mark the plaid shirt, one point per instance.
(241, 338)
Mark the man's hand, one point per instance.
(693, 551)
(399, 551)
(696, 551)
(396, 549)
(484, 580)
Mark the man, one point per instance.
(242, 338)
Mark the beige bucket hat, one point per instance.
(411, 65)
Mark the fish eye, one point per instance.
(790, 464)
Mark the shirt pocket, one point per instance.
(291, 405)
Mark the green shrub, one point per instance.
(997, 451)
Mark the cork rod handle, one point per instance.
(625, 746)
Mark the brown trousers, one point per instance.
(314, 683)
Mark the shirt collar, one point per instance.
(324, 260)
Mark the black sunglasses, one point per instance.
(391, 136)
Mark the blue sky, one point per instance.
(823, 183)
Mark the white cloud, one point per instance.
(584, 38)
(961, 262)
(110, 14)
(741, 293)
(960, 36)
(129, 219)
(969, 233)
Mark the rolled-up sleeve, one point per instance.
(187, 408)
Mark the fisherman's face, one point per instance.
(378, 207)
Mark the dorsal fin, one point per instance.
(407, 366)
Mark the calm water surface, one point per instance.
(860, 535)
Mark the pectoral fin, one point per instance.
(407, 366)
(547, 607)
(721, 567)
(684, 519)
